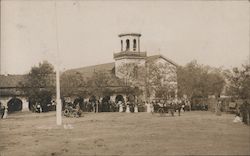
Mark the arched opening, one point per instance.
(127, 45)
(134, 44)
(119, 98)
(121, 45)
(15, 104)
(131, 98)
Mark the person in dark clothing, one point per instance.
(2, 110)
(178, 105)
(171, 108)
(38, 108)
(245, 112)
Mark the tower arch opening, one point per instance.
(121, 45)
(134, 44)
(127, 45)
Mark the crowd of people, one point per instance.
(171, 106)
(107, 105)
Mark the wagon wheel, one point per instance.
(161, 112)
(66, 112)
(74, 114)
(79, 113)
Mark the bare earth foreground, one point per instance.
(193, 133)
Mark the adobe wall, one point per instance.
(25, 103)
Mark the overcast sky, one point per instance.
(215, 33)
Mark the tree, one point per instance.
(161, 80)
(40, 84)
(215, 81)
(98, 84)
(73, 84)
(195, 80)
(239, 82)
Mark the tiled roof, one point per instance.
(88, 71)
(154, 57)
(11, 92)
(10, 81)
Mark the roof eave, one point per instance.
(130, 34)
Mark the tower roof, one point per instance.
(130, 34)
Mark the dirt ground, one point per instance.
(193, 133)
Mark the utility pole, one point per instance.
(249, 33)
(58, 98)
(1, 59)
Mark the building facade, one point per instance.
(11, 94)
(129, 58)
(141, 72)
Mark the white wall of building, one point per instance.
(25, 103)
(121, 62)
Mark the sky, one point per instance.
(79, 33)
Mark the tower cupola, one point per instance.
(130, 52)
(130, 42)
(130, 47)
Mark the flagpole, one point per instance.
(58, 98)
(249, 34)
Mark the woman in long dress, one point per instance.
(120, 106)
(148, 107)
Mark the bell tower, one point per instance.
(130, 42)
(130, 51)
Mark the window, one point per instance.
(127, 44)
(134, 44)
(121, 45)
